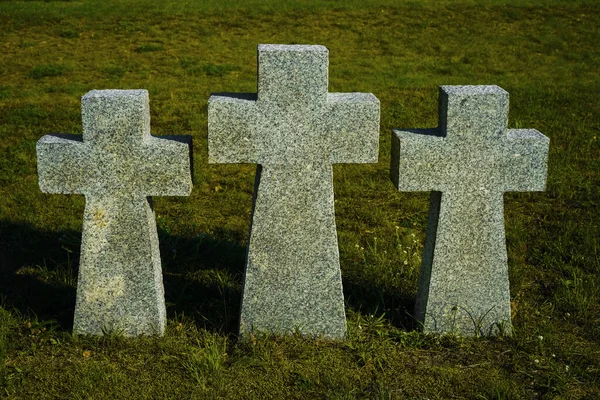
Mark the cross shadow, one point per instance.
(36, 273)
(368, 298)
(203, 278)
(202, 275)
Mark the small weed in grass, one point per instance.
(58, 274)
(205, 362)
(194, 68)
(578, 297)
(115, 71)
(26, 44)
(4, 92)
(69, 34)
(149, 47)
(219, 70)
(47, 70)
(4, 318)
(24, 115)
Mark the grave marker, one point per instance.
(295, 130)
(468, 163)
(117, 165)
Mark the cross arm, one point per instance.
(61, 164)
(418, 159)
(526, 160)
(230, 128)
(354, 126)
(166, 166)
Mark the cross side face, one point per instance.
(117, 158)
(293, 119)
(472, 151)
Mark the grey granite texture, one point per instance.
(468, 163)
(117, 165)
(295, 130)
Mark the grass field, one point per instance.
(545, 53)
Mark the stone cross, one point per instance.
(468, 163)
(117, 166)
(295, 130)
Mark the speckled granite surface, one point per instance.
(294, 129)
(117, 165)
(468, 162)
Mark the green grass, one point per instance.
(146, 48)
(545, 53)
(47, 70)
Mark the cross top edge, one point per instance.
(473, 90)
(477, 112)
(115, 116)
(300, 48)
(112, 93)
(292, 75)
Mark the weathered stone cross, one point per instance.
(468, 163)
(117, 166)
(295, 130)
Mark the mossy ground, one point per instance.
(545, 53)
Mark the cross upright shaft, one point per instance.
(468, 163)
(117, 166)
(295, 130)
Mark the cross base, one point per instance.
(120, 286)
(293, 280)
(464, 287)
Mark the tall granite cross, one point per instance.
(295, 130)
(468, 163)
(117, 166)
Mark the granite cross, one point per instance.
(117, 166)
(468, 163)
(295, 130)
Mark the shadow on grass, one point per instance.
(202, 276)
(368, 298)
(29, 262)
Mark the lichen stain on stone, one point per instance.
(99, 217)
(107, 292)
